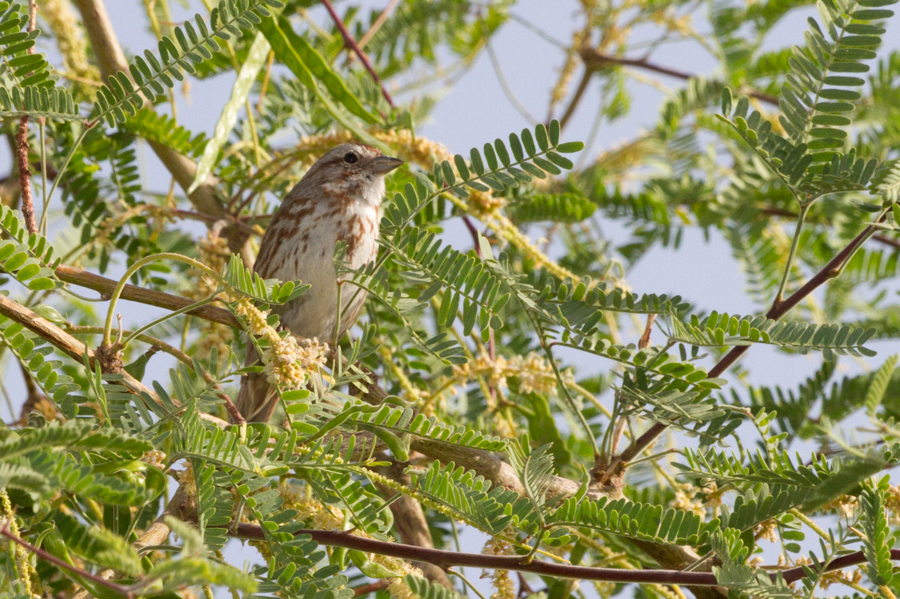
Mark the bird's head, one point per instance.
(353, 172)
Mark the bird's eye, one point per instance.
(351, 158)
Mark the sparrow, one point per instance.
(337, 200)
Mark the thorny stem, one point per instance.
(829, 271)
(22, 145)
(350, 43)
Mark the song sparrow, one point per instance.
(337, 200)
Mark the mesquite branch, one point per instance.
(778, 309)
(22, 148)
(446, 559)
(351, 43)
(112, 60)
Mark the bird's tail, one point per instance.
(257, 399)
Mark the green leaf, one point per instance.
(309, 66)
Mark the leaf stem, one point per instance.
(565, 390)
(795, 242)
(188, 308)
(107, 329)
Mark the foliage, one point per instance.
(508, 373)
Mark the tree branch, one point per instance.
(481, 462)
(777, 310)
(446, 559)
(22, 146)
(105, 287)
(595, 60)
(112, 60)
(77, 350)
(772, 211)
(351, 43)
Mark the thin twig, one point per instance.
(595, 60)
(178, 355)
(372, 587)
(778, 309)
(504, 84)
(648, 329)
(126, 591)
(350, 43)
(773, 211)
(382, 18)
(576, 98)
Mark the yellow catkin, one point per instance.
(26, 570)
(66, 27)
(533, 372)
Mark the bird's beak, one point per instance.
(382, 165)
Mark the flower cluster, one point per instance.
(287, 360)
(503, 584)
(533, 372)
(309, 509)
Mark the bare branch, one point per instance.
(777, 310)
(351, 43)
(523, 564)
(595, 60)
(105, 286)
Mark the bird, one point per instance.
(336, 200)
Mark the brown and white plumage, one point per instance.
(337, 200)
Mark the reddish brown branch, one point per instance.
(777, 310)
(104, 286)
(446, 559)
(351, 43)
(884, 239)
(595, 60)
(126, 591)
(372, 587)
